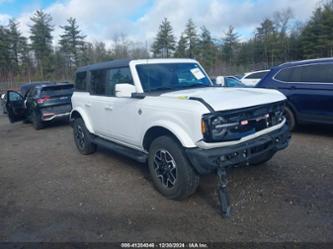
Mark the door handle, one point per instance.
(87, 105)
(108, 108)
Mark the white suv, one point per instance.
(168, 113)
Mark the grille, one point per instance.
(253, 119)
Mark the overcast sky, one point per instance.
(139, 19)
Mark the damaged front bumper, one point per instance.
(252, 151)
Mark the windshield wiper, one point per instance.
(161, 89)
(194, 85)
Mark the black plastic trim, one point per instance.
(205, 161)
(202, 101)
(137, 155)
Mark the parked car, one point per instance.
(168, 113)
(228, 81)
(3, 103)
(308, 86)
(41, 103)
(252, 78)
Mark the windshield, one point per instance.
(171, 76)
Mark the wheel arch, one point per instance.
(77, 113)
(158, 130)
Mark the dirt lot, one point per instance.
(49, 192)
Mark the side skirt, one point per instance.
(121, 149)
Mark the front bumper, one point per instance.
(206, 161)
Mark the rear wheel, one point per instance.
(291, 121)
(36, 121)
(171, 172)
(83, 138)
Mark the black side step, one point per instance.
(121, 149)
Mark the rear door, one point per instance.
(15, 106)
(310, 90)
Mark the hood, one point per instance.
(222, 99)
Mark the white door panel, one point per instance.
(125, 122)
(101, 107)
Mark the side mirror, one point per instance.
(124, 90)
(220, 81)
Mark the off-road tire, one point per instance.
(37, 123)
(290, 116)
(85, 145)
(187, 180)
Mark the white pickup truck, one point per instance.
(168, 113)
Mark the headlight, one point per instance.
(215, 127)
(218, 128)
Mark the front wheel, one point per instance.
(291, 120)
(171, 172)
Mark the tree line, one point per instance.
(276, 40)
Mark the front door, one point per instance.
(15, 106)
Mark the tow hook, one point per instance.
(222, 191)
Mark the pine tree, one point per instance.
(4, 53)
(41, 42)
(14, 36)
(192, 39)
(317, 37)
(230, 45)
(207, 49)
(266, 42)
(71, 44)
(24, 58)
(181, 47)
(164, 43)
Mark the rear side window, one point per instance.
(62, 90)
(117, 76)
(32, 92)
(81, 81)
(259, 75)
(315, 73)
(98, 82)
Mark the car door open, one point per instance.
(15, 106)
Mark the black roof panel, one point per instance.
(106, 64)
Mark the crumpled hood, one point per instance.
(221, 99)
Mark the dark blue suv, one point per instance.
(308, 86)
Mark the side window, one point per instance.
(284, 75)
(32, 93)
(319, 73)
(316, 73)
(14, 96)
(117, 76)
(98, 82)
(81, 81)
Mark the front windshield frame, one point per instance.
(155, 83)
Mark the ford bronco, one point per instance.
(168, 114)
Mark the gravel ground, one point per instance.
(50, 192)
